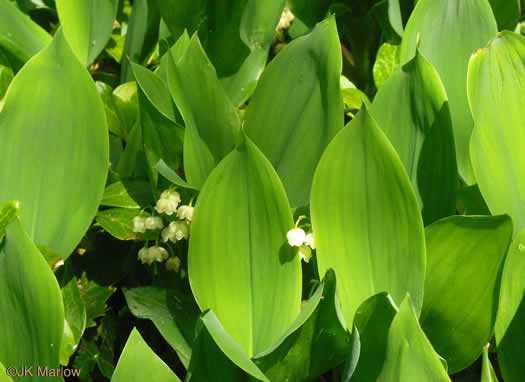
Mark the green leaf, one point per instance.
(94, 297)
(373, 319)
(510, 331)
(58, 154)
(128, 193)
(171, 175)
(141, 37)
(74, 310)
(216, 356)
(173, 313)
(6, 76)
(465, 256)
(487, 371)
(366, 219)
(209, 111)
(125, 99)
(496, 80)
(19, 35)
(387, 62)
(238, 48)
(87, 25)
(118, 222)
(353, 98)
(233, 270)
(398, 14)
(8, 213)
(474, 22)
(139, 363)
(3, 374)
(409, 354)
(472, 201)
(31, 310)
(297, 108)
(420, 130)
(507, 13)
(316, 341)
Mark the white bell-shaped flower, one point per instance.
(154, 222)
(168, 202)
(173, 264)
(139, 224)
(309, 240)
(296, 237)
(185, 212)
(158, 254)
(145, 256)
(305, 252)
(181, 230)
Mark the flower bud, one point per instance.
(139, 224)
(296, 237)
(173, 264)
(185, 212)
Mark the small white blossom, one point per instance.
(177, 230)
(309, 241)
(151, 254)
(296, 237)
(305, 253)
(185, 212)
(286, 18)
(173, 264)
(139, 224)
(168, 202)
(154, 222)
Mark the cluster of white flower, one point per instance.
(141, 223)
(168, 202)
(298, 238)
(151, 254)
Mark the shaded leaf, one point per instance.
(409, 354)
(465, 256)
(297, 108)
(507, 13)
(438, 23)
(371, 237)
(420, 130)
(127, 193)
(118, 222)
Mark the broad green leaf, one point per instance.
(58, 157)
(238, 48)
(125, 98)
(297, 108)
(216, 356)
(353, 98)
(133, 160)
(139, 363)
(366, 220)
(510, 331)
(409, 354)
(310, 11)
(87, 25)
(118, 222)
(3, 374)
(112, 116)
(487, 371)
(94, 297)
(19, 35)
(171, 175)
(420, 130)
(74, 310)
(507, 13)
(31, 310)
(128, 193)
(6, 76)
(372, 320)
(141, 37)
(173, 313)
(438, 23)
(471, 202)
(398, 14)
(496, 79)
(8, 212)
(387, 62)
(209, 110)
(316, 341)
(234, 270)
(465, 256)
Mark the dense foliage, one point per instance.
(285, 191)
